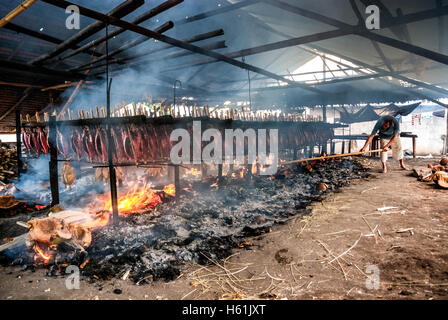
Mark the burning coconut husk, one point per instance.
(51, 231)
(67, 225)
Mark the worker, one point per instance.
(388, 130)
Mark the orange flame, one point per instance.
(254, 168)
(170, 190)
(135, 200)
(39, 251)
(195, 172)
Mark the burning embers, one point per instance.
(41, 255)
(154, 246)
(140, 199)
(73, 229)
(213, 222)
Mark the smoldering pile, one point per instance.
(207, 222)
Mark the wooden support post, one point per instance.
(203, 170)
(324, 114)
(112, 173)
(54, 183)
(113, 193)
(220, 171)
(375, 145)
(414, 146)
(229, 173)
(176, 182)
(18, 143)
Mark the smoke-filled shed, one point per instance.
(140, 138)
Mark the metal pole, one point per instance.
(112, 174)
(174, 95)
(18, 143)
(54, 183)
(176, 182)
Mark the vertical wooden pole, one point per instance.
(18, 143)
(54, 183)
(203, 170)
(112, 173)
(414, 147)
(220, 170)
(176, 182)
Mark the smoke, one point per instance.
(156, 75)
(34, 185)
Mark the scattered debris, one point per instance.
(7, 205)
(322, 186)
(403, 230)
(282, 257)
(386, 208)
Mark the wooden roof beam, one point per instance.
(15, 12)
(218, 11)
(120, 11)
(199, 37)
(363, 32)
(146, 16)
(42, 36)
(174, 42)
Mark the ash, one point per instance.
(207, 223)
(211, 223)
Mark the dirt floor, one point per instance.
(346, 249)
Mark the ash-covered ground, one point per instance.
(205, 224)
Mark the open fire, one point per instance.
(219, 204)
(41, 255)
(212, 222)
(140, 199)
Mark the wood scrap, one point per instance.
(17, 241)
(7, 203)
(70, 226)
